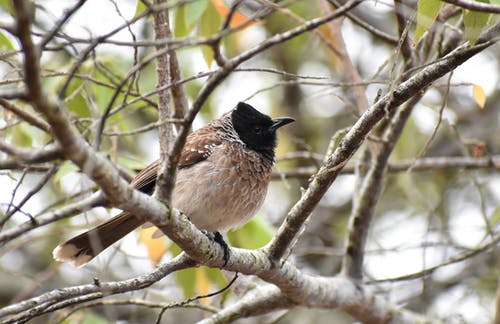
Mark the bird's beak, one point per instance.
(282, 121)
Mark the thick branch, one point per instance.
(259, 301)
(300, 288)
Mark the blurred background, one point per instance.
(426, 218)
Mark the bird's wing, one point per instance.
(199, 146)
(146, 179)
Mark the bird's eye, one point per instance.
(257, 129)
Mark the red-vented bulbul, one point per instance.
(223, 175)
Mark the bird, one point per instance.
(223, 175)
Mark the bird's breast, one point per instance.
(225, 190)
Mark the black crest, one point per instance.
(255, 129)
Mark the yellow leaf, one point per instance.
(202, 285)
(156, 247)
(479, 95)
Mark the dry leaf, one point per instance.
(202, 285)
(156, 247)
(479, 95)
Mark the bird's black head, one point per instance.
(257, 130)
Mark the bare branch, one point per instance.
(420, 165)
(51, 217)
(476, 5)
(166, 174)
(67, 15)
(141, 303)
(452, 260)
(36, 188)
(23, 114)
(371, 29)
(52, 300)
(31, 156)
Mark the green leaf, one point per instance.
(253, 235)
(187, 279)
(495, 217)
(5, 42)
(180, 28)
(208, 55)
(209, 25)
(427, 11)
(78, 106)
(64, 169)
(140, 8)
(130, 162)
(187, 16)
(7, 6)
(93, 318)
(75, 101)
(99, 94)
(23, 135)
(474, 23)
(194, 10)
(85, 316)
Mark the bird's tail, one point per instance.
(82, 248)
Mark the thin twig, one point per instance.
(476, 5)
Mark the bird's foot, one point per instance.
(217, 237)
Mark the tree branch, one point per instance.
(355, 137)
(46, 302)
(27, 156)
(24, 115)
(392, 40)
(259, 301)
(168, 166)
(75, 148)
(364, 205)
(51, 217)
(369, 184)
(420, 165)
(476, 5)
